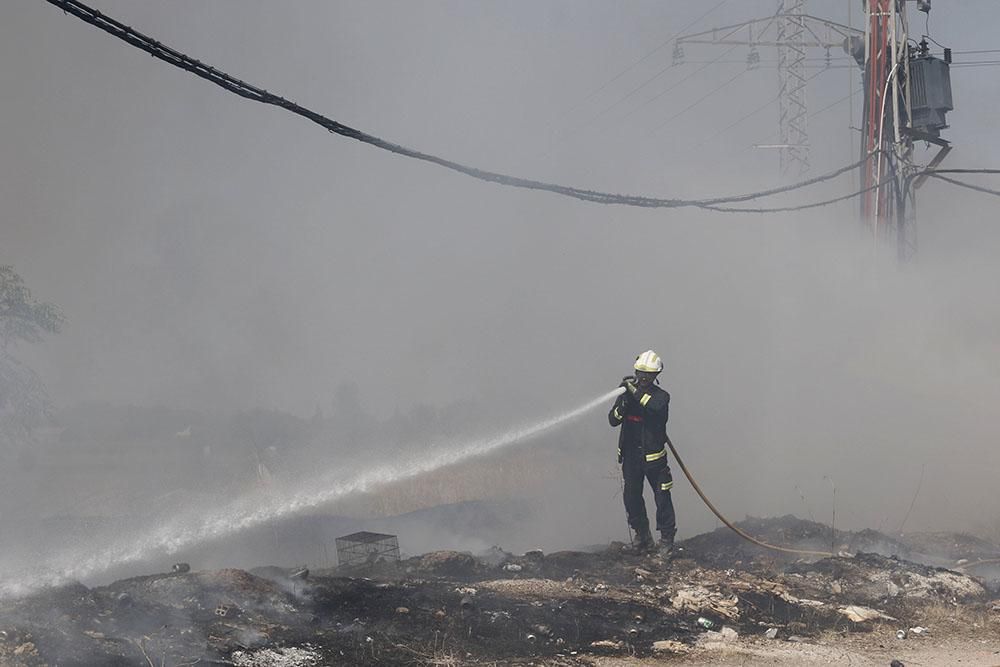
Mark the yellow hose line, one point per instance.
(729, 524)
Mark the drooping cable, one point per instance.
(800, 207)
(251, 92)
(962, 184)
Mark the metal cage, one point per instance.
(366, 548)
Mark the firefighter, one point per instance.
(641, 412)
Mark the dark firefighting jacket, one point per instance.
(643, 421)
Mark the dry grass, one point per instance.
(953, 617)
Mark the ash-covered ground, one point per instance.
(721, 601)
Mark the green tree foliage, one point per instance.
(23, 400)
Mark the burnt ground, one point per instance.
(558, 608)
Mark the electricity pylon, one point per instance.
(793, 33)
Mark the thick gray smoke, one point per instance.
(250, 298)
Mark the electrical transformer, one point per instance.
(930, 94)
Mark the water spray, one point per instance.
(246, 512)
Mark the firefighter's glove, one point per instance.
(629, 383)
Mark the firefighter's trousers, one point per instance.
(635, 469)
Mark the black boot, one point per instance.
(666, 546)
(643, 542)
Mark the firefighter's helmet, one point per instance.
(648, 362)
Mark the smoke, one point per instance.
(196, 525)
(249, 298)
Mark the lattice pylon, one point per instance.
(793, 115)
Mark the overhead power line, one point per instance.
(752, 113)
(699, 100)
(579, 129)
(251, 92)
(939, 174)
(638, 62)
(800, 207)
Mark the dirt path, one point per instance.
(868, 651)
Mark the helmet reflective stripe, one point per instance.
(648, 362)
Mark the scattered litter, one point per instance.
(27, 648)
(543, 630)
(670, 646)
(512, 567)
(859, 614)
(277, 657)
(701, 599)
(717, 597)
(900, 634)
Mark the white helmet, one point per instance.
(648, 362)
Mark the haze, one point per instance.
(216, 256)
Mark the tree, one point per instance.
(24, 402)
(22, 319)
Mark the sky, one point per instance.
(217, 254)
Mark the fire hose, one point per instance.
(805, 552)
(729, 524)
(750, 538)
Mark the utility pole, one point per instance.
(907, 93)
(793, 32)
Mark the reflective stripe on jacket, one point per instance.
(643, 421)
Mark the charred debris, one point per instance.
(564, 608)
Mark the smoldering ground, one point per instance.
(213, 256)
